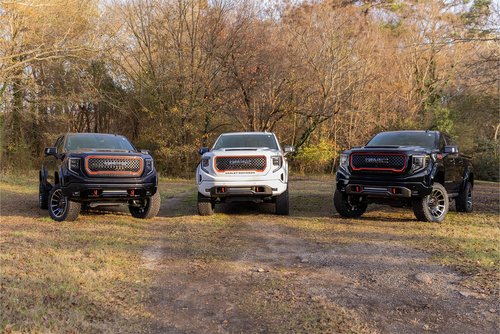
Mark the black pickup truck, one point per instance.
(419, 169)
(93, 169)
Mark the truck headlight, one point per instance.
(74, 165)
(419, 162)
(344, 161)
(148, 166)
(205, 163)
(277, 162)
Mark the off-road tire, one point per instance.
(70, 211)
(464, 201)
(422, 206)
(150, 208)
(43, 196)
(345, 208)
(206, 205)
(283, 204)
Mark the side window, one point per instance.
(57, 142)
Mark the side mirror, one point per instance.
(144, 151)
(203, 150)
(289, 149)
(50, 151)
(450, 149)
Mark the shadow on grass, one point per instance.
(14, 203)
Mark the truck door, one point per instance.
(448, 164)
(51, 162)
(453, 170)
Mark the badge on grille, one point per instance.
(237, 162)
(378, 160)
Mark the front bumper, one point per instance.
(241, 191)
(417, 185)
(262, 188)
(84, 189)
(242, 188)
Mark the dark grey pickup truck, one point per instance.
(419, 169)
(93, 169)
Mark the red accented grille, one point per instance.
(245, 163)
(394, 162)
(113, 165)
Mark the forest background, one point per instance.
(323, 75)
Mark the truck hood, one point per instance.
(245, 149)
(408, 150)
(88, 151)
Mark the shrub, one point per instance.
(316, 158)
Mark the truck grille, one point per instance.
(245, 163)
(394, 162)
(114, 165)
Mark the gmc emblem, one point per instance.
(237, 162)
(115, 163)
(377, 160)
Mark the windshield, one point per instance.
(97, 141)
(246, 141)
(422, 139)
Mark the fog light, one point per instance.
(95, 192)
(395, 191)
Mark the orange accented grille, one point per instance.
(244, 163)
(378, 161)
(101, 165)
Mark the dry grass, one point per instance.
(83, 276)
(285, 308)
(89, 275)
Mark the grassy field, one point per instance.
(84, 276)
(109, 272)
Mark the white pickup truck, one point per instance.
(243, 166)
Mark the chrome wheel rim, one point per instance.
(437, 203)
(58, 203)
(353, 202)
(141, 207)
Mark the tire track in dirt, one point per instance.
(153, 254)
(188, 294)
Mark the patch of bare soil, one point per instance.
(261, 275)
